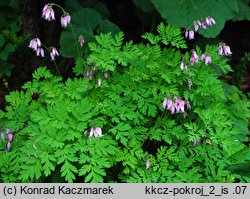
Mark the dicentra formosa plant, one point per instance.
(158, 116)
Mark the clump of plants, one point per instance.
(148, 112)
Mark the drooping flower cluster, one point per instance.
(65, 20)
(96, 131)
(10, 138)
(189, 34)
(36, 44)
(49, 14)
(224, 50)
(175, 107)
(194, 58)
(90, 75)
(207, 58)
(208, 21)
(53, 53)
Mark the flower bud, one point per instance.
(208, 60)
(81, 40)
(2, 136)
(164, 104)
(105, 74)
(99, 82)
(8, 146)
(7, 130)
(10, 136)
(98, 132)
(147, 164)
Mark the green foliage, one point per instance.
(50, 137)
(244, 10)
(183, 13)
(49, 131)
(9, 39)
(167, 35)
(241, 161)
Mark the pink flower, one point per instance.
(99, 82)
(105, 74)
(210, 21)
(2, 136)
(182, 65)
(196, 142)
(227, 50)
(87, 72)
(181, 106)
(45, 9)
(203, 57)
(91, 132)
(90, 76)
(8, 146)
(194, 58)
(48, 13)
(186, 33)
(197, 24)
(35, 44)
(10, 136)
(224, 50)
(220, 50)
(208, 60)
(172, 108)
(7, 130)
(204, 25)
(65, 20)
(40, 52)
(164, 104)
(147, 164)
(169, 103)
(53, 53)
(81, 40)
(97, 132)
(189, 34)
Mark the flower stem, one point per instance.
(77, 46)
(57, 68)
(54, 4)
(71, 27)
